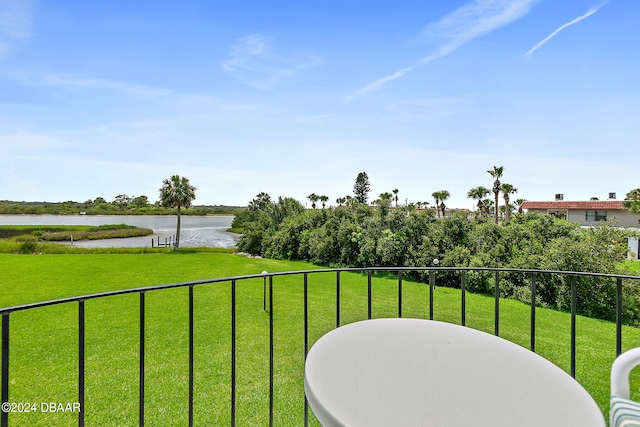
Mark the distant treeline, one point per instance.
(120, 206)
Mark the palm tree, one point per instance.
(385, 197)
(395, 195)
(313, 197)
(487, 206)
(478, 193)
(496, 174)
(176, 192)
(519, 202)
(261, 200)
(440, 197)
(341, 200)
(436, 195)
(507, 189)
(324, 200)
(444, 195)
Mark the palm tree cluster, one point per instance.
(484, 205)
(314, 198)
(440, 197)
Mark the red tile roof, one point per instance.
(590, 205)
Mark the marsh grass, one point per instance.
(44, 341)
(28, 239)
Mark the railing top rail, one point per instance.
(8, 310)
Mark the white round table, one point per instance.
(411, 372)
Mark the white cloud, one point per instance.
(83, 82)
(568, 24)
(461, 26)
(80, 82)
(376, 84)
(253, 62)
(15, 23)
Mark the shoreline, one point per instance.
(196, 231)
(145, 241)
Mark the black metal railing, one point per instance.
(268, 280)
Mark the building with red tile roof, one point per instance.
(586, 212)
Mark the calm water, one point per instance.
(194, 231)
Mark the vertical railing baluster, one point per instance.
(233, 352)
(142, 337)
(618, 316)
(4, 415)
(432, 285)
(533, 312)
(337, 299)
(574, 304)
(191, 356)
(463, 292)
(400, 293)
(81, 362)
(369, 300)
(271, 355)
(496, 310)
(264, 291)
(306, 340)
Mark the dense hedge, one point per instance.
(361, 236)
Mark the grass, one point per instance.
(60, 233)
(632, 267)
(44, 341)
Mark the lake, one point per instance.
(195, 231)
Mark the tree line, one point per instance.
(484, 206)
(121, 205)
(358, 234)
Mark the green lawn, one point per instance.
(632, 266)
(44, 341)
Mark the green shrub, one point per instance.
(28, 247)
(361, 236)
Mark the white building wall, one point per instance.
(624, 218)
(633, 248)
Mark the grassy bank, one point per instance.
(66, 233)
(26, 239)
(44, 341)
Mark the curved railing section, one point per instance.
(267, 281)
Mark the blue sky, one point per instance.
(105, 98)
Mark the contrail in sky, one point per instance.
(568, 24)
(470, 21)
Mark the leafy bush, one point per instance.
(361, 236)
